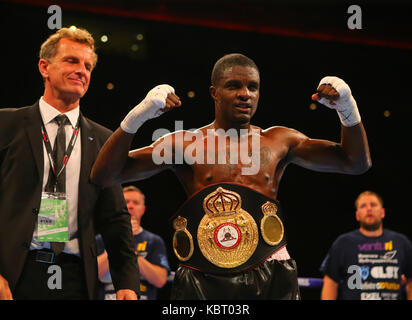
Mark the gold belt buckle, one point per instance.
(227, 234)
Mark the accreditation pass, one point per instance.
(53, 218)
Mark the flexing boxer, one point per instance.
(235, 84)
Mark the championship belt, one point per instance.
(227, 228)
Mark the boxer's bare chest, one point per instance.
(258, 164)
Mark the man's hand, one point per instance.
(160, 99)
(336, 94)
(135, 225)
(126, 294)
(5, 292)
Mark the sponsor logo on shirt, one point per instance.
(380, 286)
(379, 296)
(387, 257)
(376, 246)
(389, 272)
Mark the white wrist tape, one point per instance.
(147, 109)
(346, 105)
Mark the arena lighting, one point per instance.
(386, 113)
(191, 94)
(104, 38)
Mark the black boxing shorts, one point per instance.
(270, 280)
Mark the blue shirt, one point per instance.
(380, 262)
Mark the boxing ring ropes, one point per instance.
(303, 282)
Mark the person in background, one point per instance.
(382, 258)
(149, 248)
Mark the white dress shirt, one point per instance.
(48, 113)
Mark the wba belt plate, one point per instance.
(227, 234)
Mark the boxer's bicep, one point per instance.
(145, 162)
(318, 155)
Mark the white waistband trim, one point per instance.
(282, 254)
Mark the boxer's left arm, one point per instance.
(352, 154)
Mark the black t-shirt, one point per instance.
(369, 268)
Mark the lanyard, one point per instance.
(68, 152)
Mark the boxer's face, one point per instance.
(68, 73)
(236, 94)
(135, 203)
(370, 212)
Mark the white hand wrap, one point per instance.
(147, 109)
(346, 105)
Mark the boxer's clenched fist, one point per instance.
(160, 99)
(336, 94)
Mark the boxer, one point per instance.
(226, 217)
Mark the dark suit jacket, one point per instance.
(99, 210)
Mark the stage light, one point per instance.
(104, 38)
(313, 106)
(74, 28)
(110, 86)
(134, 47)
(386, 113)
(191, 94)
(139, 37)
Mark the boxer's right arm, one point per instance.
(115, 164)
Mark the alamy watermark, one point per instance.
(55, 20)
(55, 280)
(355, 280)
(355, 20)
(215, 146)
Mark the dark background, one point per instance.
(294, 44)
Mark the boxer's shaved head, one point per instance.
(228, 61)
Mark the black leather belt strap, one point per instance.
(48, 256)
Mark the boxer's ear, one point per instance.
(212, 91)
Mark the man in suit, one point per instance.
(30, 171)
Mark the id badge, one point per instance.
(53, 218)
